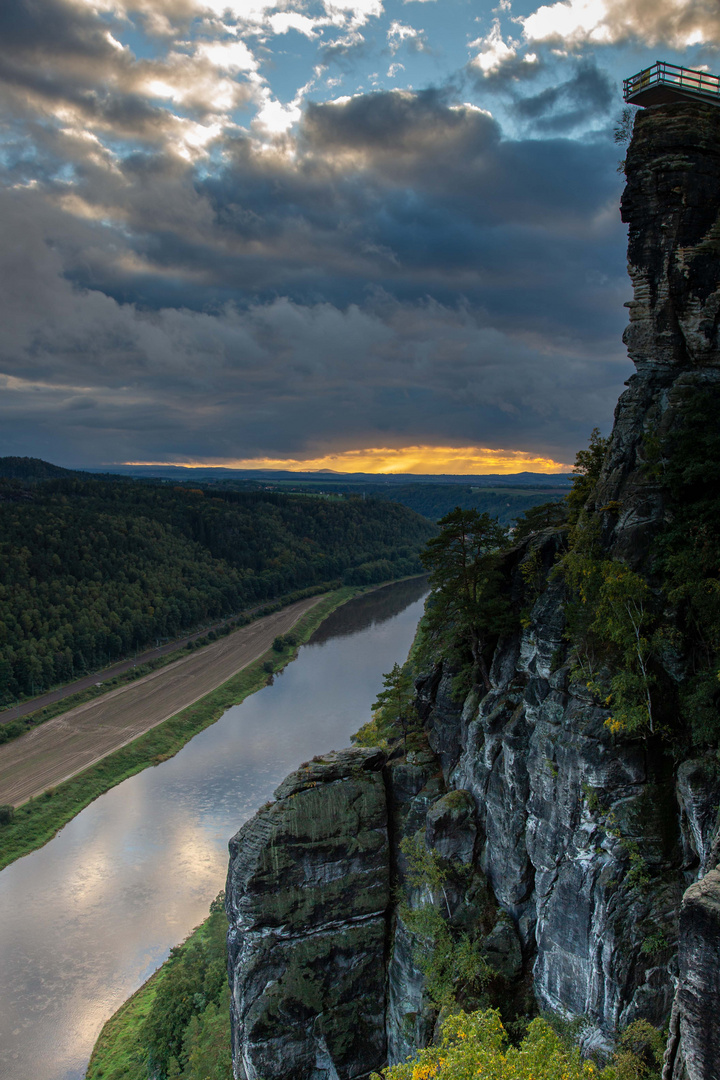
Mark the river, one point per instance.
(86, 919)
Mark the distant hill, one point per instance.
(328, 477)
(503, 496)
(31, 468)
(506, 502)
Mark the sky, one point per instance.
(372, 235)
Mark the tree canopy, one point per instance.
(468, 607)
(91, 570)
(475, 1045)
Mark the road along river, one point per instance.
(86, 919)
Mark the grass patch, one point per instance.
(38, 820)
(121, 1051)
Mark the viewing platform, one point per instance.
(663, 83)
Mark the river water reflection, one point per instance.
(85, 920)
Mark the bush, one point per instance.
(12, 729)
(476, 1045)
(195, 978)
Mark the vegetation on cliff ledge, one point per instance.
(468, 607)
(647, 640)
(475, 1045)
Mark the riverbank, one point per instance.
(79, 738)
(38, 820)
(130, 876)
(121, 1051)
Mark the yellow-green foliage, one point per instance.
(374, 733)
(474, 1046)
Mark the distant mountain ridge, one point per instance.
(172, 472)
(505, 497)
(30, 468)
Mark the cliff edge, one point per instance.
(573, 862)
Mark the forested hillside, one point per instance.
(91, 570)
(28, 468)
(436, 500)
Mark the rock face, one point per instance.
(694, 1044)
(672, 206)
(307, 899)
(573, 850)
(578, 837)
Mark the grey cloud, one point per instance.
(456, 210)
(398, 122)
(57, 58)
(590, 92)
(344, 52)
(506, 77)
(244, 381)
(406, 274)
(674, 23)
(32, 28)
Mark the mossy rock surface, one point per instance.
(308, 897)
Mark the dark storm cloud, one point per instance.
(31, 29)
(590, 92)
(400, 123)
(399, 273)
(54, 51)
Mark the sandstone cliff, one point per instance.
(571, 849)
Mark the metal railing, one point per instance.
(673, 77)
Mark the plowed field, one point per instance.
(65, 745)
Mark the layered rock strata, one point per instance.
(576, 848)
(694, 1043)
(307, 899)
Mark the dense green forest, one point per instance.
(30, 468)
(91, 569)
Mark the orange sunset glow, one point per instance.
(424, 460)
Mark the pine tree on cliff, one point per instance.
(467, 609)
